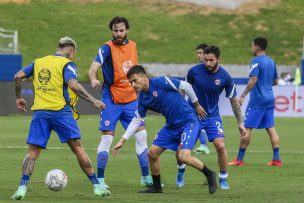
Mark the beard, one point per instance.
(119, 40)
(212, 68)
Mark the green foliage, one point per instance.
(255, 182)
(161, 37)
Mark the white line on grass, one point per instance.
(67, 148)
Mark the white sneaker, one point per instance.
(20, 193)
(102, 183)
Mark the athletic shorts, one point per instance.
(177, 138)
(114, 112)
(259, 117)
(41, 128)
(213, 127)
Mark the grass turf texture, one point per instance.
(161, 36)
(255, 182)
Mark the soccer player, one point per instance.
(161, 94)
(52, 76)
(203, 148)
(116, 57)
(208, 80)
(260, 110)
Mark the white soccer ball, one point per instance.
(56, 180)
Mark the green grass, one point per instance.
(161, 36)
(255, 182)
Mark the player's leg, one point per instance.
(154, 163)
(187, 141)
(108, 119)
(38, 136)
(203, 148)
(68, 132)
(141, 146)
(275, 142)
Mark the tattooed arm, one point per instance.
(79, 90)
(20, 102)
(238, 115)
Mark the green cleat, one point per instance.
(102, 183)
(20, 193)
(99, 191)
(202, 149)
(146, 181)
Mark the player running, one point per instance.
(161, 94)
(208, 81)
(116, 57)
(53, 75)
(260, 110)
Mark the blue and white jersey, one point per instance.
(163, 97)
(208, 87)
(69, 72)
(264, 68)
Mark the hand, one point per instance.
(200, 111)
(99, 104)
(95, 83)
(118, 146)
(241, 100)
(21, 104)
(243, 133)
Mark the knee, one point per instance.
(183, 158)
(220, 147)
(152, 155)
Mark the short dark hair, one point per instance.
(136, 69)
(202, 46)
(118, 19)
(260, 42)
(213, 50)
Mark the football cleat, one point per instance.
(224, 184)
(180, 179)
(102, 183)
(275, 163)
(99, 191)
(211, 179)
(146, 181)
(236, 163)
(20, 193)
(202, 149)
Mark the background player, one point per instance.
(260, 110)
(52, 76)
(208, 81)
(179, 134)
(116, 57)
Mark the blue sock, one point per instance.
(223, 175)
(93, 178)
(24, 180)
(143, 162)
(202, 138)
(276, 154)
(241, 154)
(102, 159)
(181, 170)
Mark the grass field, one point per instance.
(162, 34)
(254, 183)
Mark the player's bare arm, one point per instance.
(275, 82)
(93, 73)
(251, 83)
(236, 108)
(20, 102)
(79, 90)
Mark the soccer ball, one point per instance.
(56, 180)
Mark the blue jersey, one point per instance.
(104, 57)
(163, 97)
(69, 72)
(208, 87)
(264, 68)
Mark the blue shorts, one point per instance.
(114, 112)
(41, 128)
(213, 127)
(178, 138)
(259, 117)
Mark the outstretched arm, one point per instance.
(20, 102)
(238, 115)
(93, 73)
(79, 90)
